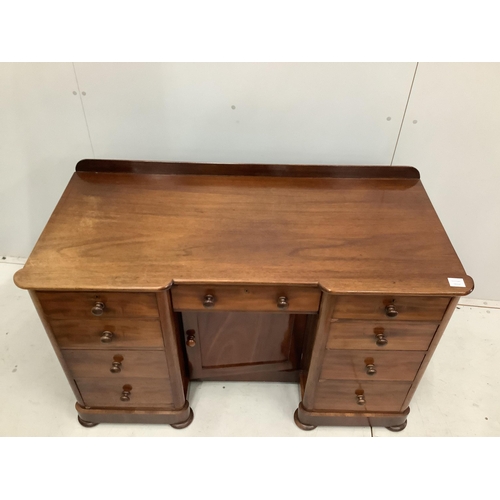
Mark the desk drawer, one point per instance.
(346, 395)
(371, 365)
(246, 298)
(125, 393)
(102, 333)
(116, 364)
(381, 335)
(390, 308)
(67, 305)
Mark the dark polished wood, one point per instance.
(253, 373)
(317, 354)
(301, 425)
(84, 423)
(247, 298)
(186, 423)
(377, 396)
(398, 428)
(437, 337)
(375, 307)
(358, 418)
(242, 343)
(108, 392)
(55, 346)
(399, 336)
(126, 333)
(173, 349)
(98, 363)
(352, 365)
(349, 235)
(133, 415)
(249, 169)
(61, 305)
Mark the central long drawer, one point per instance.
(298, 299)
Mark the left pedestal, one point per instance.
(121, 354)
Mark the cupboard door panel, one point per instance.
(238, 343)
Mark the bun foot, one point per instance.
(299, 424)
(398, 428)
(85, 423)
(183, 425)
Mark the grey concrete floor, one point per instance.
(458, 395)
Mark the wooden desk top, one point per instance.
(125, 226)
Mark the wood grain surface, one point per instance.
(134, 415)
(242, 344)
(351, 365)
(358, 418)
(126, 231)
(401, 335)
(250, 169)
(374, 307)
(64, 305)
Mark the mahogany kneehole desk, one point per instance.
(339, 279)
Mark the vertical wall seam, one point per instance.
(83, 109)
(404, 114)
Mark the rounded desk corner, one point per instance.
(18, 279)
(471, 285)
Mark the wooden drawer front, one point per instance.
(98, 363)
(401, 335)
(66, 305)
(250, 298)
(354, 365)
(144, 392)
(378, 396)
(374, 307)
(87, 333)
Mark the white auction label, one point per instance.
(456, 282)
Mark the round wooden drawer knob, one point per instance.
(282, 302)
(127, 390)
(106, 337)
(360, 397)
(391, 311)
(98, 309)
(209, 301)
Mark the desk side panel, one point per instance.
(55, 346)
(173, 349)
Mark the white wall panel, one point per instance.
(284, 112)
(456, 146)
(42, 136)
